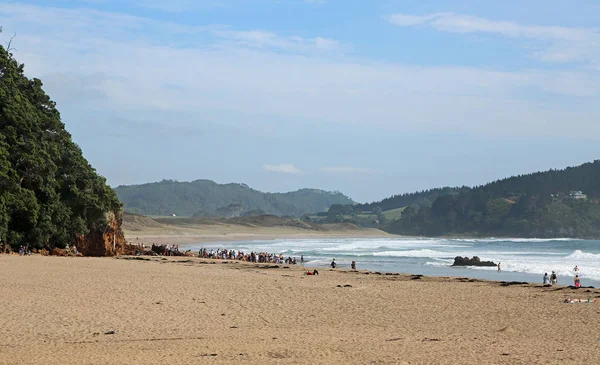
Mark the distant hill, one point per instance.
(205, 198)
(555, 203)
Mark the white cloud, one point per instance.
(458, 23)
(264, 39)
(178, 6)
(283, 168)
(345, 170)
(129, 65)
(557, 43)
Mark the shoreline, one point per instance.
(227, 241)
(344, 270)
(179, 310)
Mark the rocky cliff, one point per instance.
(109, 242)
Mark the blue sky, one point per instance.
(371, 98)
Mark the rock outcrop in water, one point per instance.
(475, 261)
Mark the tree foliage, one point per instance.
(534, 205)
(49, 193)
(419, 198)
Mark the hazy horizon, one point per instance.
(368, 98)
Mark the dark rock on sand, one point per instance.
(509, 283)
(475, 261)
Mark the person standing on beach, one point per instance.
(553, 278)
(546, 279)
(333, 264)
(499, 267)
(353, 265)
(577, 281)
(302, 260)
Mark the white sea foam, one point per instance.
(424, 253)
(588, 263)
(494, 239)
(580, 255)
(532, 256)
(438, 263)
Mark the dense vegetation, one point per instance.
(205, 198)
(420, 198)
(543, 204)
(379, 214)
(49, 193)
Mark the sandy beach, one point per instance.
(148, 238)
(65, 310)
(144, 230)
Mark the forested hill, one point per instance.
(49, 194)
(555, 203)
(205, 198)
(420, 198)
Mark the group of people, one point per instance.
(72, 250)
(334, 264)
(553, 278)
(24, 250)
(167, 250)
(258, 257)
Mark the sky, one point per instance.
(371, 98)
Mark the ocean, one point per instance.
(521, 259)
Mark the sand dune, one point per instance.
(183, 311)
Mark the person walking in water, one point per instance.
(553, 278)
(576, 268)
(499, 269)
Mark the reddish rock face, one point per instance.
(111, 242)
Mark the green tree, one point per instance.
(49, 193)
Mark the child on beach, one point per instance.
(353, 265)
(333, 264)
(546, 279)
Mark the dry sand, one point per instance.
(143, 230)
(188, 311)
(148, 238)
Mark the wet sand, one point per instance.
(59, 310)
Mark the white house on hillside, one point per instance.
(578, 195)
